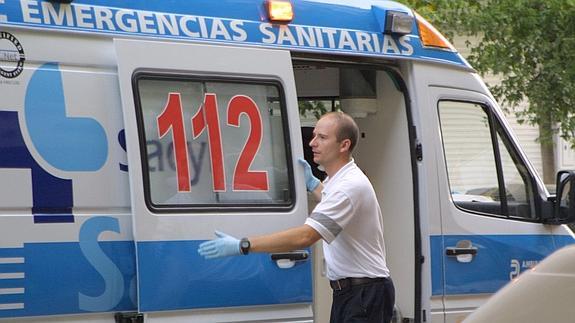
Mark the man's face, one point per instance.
(326, 149)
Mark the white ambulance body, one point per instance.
(131, 130)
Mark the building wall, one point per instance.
(526, 134)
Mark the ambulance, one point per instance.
(131, 130)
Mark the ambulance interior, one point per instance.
(372, 96)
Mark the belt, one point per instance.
(346, 283)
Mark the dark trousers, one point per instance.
(368, 303)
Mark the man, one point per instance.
(347, 217)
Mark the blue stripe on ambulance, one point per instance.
(231, 281)
(57, 278)
(12, 284)
(563, 240)
(491, 267)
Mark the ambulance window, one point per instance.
(213, 144)
(481, 163)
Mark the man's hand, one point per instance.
(225, 245)
(311, 182)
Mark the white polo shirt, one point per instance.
(349, 219)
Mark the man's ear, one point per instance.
(345, 145)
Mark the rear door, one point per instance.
(490, 204)
(212, 137)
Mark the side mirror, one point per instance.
(564, 209)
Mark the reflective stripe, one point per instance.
(327, 223)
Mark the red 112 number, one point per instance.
(207, 117)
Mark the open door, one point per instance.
(212, 138)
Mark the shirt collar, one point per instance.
(341, 171)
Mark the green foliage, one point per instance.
(530, 44)
(318, 108)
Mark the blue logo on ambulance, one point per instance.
(59, 277)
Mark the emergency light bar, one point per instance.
(279, 10)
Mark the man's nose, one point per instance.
(311, 142)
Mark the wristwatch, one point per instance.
(245, 246)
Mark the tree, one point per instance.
(530, 45)
(317, 108)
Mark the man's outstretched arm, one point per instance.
(282, 241)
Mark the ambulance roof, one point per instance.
(353, 27)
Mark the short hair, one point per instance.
(346, 127)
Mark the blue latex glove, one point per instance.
(311, 182)
(225, 245)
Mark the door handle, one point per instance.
(454, 251)
(463, 250)
(286, 260)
